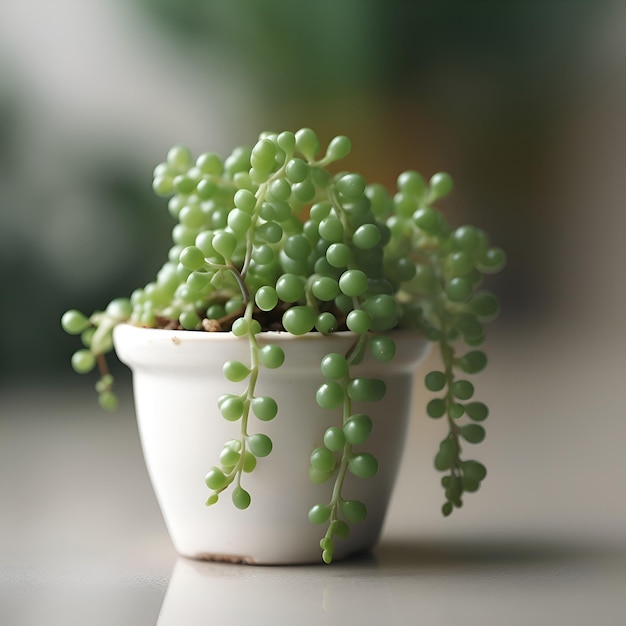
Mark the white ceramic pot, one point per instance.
(177, 379)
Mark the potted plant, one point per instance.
(288, 318)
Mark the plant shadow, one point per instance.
(398, 555)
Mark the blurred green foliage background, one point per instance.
(92, 94)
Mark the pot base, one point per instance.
(236, 559)
(223, 558)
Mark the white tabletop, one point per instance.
(544, 541)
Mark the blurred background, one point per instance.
(524, 103)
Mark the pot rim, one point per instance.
(273, 335)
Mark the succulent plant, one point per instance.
(269, 239)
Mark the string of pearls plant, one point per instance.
(270, 239)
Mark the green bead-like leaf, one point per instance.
(436, 408)
(212, 499)
(231, 407)
(338, 148)
(299, 320)
(330, 395)
(241, 498)
(448, 450)
(440, 184)
(271, 356)
(264, 407)
(357, 429)
(353, 510)
(260, 445)
(323, 460)
(477, 411)
(340, 528)
(107, 401)
(215, 478)
(334, 366)
(363, 465)
(473, 433)
(249, 462)
(318, 477)
(334, 438)
(474, 470)
(319, 513)
(83, 361)
(473, 362)
(435, 381)
(235, 371)
(383, 348)
(74, 322)
(367, 389)
(462, 389)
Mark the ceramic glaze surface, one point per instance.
(177, 378)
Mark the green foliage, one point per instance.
(269, 238)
